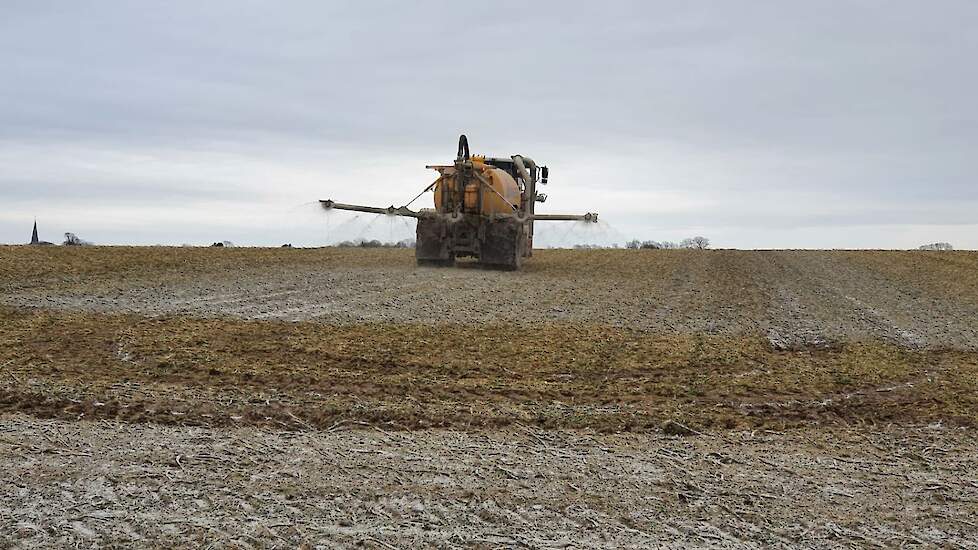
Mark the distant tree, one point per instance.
(696, 243)
(633, 244)
(653, 245)
(936, 246)
(74, 240)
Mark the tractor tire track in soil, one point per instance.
(877, 306)
(796, 299)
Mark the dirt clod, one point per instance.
(671, 427)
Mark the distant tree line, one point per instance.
(936, 246)
(694, 243)
(364, 243)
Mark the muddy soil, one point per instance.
(226, 371)
(598, 399)
(797, 299)
(80, 483)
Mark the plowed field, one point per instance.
(667, 358)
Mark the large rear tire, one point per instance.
(432, 246)
(504, 245)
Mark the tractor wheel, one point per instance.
(432, 247)
(504, 245)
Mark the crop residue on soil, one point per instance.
(229, 372)
(259, 397)
(796, 299)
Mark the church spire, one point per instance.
(34, 239)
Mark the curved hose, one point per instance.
(521, 169)
(463, 146)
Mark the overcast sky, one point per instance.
(757, 124)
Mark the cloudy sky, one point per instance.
(757, 123)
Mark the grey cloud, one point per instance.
(82, 193)
(846, 100)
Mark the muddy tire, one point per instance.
(433, 243)
(504, 245)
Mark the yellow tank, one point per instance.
(507, 193)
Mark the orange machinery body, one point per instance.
(484, 208)
(502, 196)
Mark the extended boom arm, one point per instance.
(405, 211)
(390, 210)
(589, 217)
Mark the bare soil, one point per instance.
(797, 299)
(112, 484)
(225, 371)
(275, 397)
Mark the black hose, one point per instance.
(463, 145)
